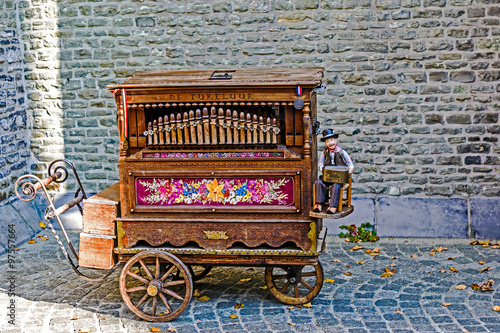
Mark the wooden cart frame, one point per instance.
(166, 247)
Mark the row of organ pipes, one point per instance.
(220, 128)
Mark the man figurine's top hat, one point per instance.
(329, 133)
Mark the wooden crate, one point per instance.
(100, 211)
(98, 237)
(96, 251)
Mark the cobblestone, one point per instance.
(50, 297)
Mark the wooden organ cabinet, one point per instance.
(217, 159)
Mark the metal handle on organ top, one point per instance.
(28, 192)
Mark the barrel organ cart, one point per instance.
(216, 167)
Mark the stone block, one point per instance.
(28, 212)
(364, 211)
(20, 230)
(422, 217)
(485, 217)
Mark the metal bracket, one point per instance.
(27, 191)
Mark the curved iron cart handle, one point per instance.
(80, 187)
(29, 191)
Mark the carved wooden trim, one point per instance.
(252, 235)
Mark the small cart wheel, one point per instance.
(199, 272)
(150, 292)
(295, 285)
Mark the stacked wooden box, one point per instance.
(98, 237)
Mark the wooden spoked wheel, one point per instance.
(198, 272)
(156, 285)
(295, 285)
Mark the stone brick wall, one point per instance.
(412, 85)
(14, 135)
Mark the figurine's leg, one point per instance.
(321, 191)
(334, 198)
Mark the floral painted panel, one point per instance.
(224, 191)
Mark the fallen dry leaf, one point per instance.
(451, 258)
(496, 308)
(495, 247)
(291, 324)
(16, 249)
(454, 270)
(239, 305)
(290, 307)
(487, 285)
(374, 254)
(209, 274)
(475, 286)
(414, 255)
(171, 329)
(75, 318)
(42, 225)
(330, 280)
(357, 247)
(474, 242)
(44, 238)
(264, 287)
(392, 265)
(348, 273)
(155, 329)
(445, 304)
(460, 287)
(88, 330)
(361, 262)
(245, 280)
(400, 312)
(307, 305)
(482, 262)
(443, 271)
(485, 269)
(233, 316)
(31, 241)
(386, 274)
(203, 298)
(393, 258)
(196, 293)
(337, 260)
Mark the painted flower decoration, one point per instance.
(236, 191)
(215, 191)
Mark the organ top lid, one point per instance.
(310, 76)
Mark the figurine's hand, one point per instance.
(321, 166)
(351, 170)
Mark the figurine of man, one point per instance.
(332, 155)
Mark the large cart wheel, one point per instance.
(152, 293)
(199, 272)
(295, 284)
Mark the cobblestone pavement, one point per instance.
(51, 298)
